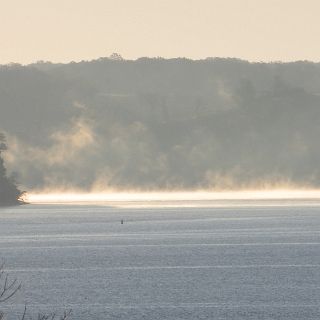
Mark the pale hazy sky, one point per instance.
(65, 30)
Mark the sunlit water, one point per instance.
(207, 260)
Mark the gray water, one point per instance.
(164, 263)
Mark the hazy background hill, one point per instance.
(162, 124)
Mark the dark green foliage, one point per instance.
(9, 192)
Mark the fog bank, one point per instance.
(156, 124)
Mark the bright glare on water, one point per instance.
(180, 199)
(209, 259)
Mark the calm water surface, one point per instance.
(165, 263)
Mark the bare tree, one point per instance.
(8, 289)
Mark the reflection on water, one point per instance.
(183, 199)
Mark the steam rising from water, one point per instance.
(186, 199)
(156, 124)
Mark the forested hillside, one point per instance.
(9, 192)
(162, 124)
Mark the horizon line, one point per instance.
(157, 58)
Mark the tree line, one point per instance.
(153, 124)
(9, 191)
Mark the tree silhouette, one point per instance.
(9, 192)
(8, 289)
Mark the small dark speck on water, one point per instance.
(121, 221)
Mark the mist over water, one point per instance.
(160, 188)
(156, 124)
(182, 199)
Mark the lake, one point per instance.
(232, 261)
